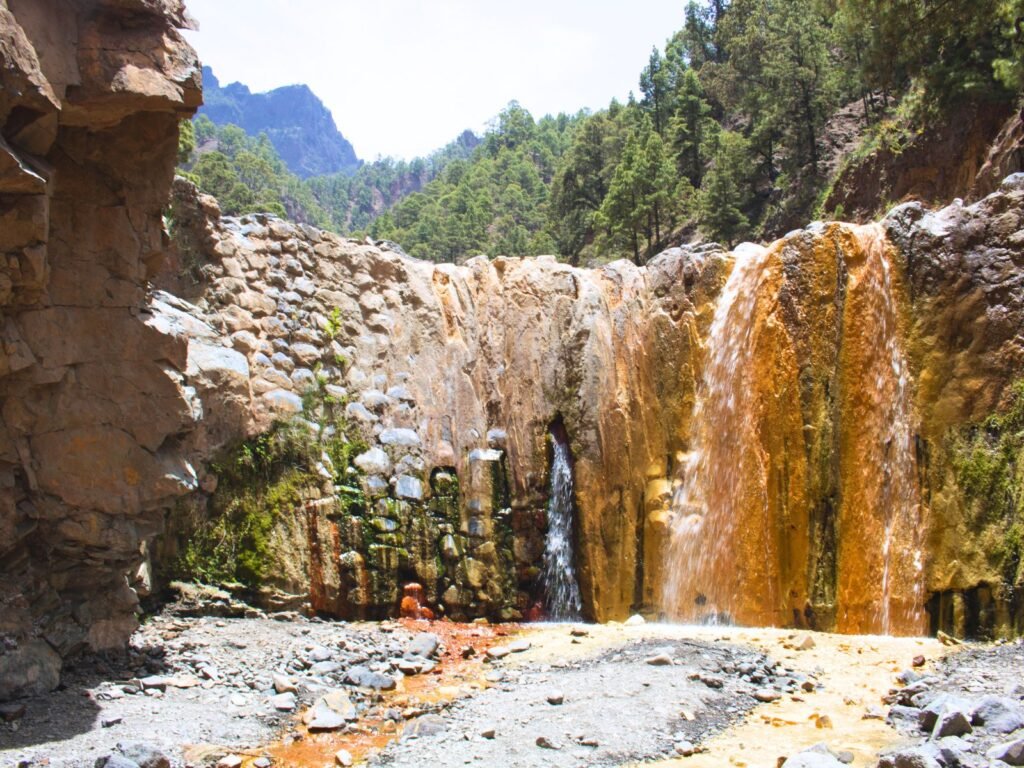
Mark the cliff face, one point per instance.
(90, 401)
(855, 356)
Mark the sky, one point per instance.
(405, 77)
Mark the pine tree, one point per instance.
(725, 192)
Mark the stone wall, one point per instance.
(455, 374)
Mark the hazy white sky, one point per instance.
(404, 77)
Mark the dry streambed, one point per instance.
(259, 692)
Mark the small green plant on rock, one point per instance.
(268, 476)
(989, 467)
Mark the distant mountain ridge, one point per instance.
(297, 123)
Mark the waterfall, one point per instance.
(762, 459)
(700, 578)
(881, 494)
(562, 591)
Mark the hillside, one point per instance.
(297, 123)
(754, 118)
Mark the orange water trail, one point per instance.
(723, 468)
(880, 571)
(736, 546)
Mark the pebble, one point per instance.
(343, 757)
(555, 698)
(545, 743)
(659, 660)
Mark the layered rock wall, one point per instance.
(91, 392)
(457, 373)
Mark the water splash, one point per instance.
(561, 589)
(717, 474)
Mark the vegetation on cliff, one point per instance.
(989, 466)
(263, 478)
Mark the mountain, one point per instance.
(297, 123)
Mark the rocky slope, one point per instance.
(297, 123)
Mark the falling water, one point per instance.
(562, 591)
(881, 489)
(738, 535)
(701, 581)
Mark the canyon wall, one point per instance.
(866, 419)
(91, 398)
(868, 350)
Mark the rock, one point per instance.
(343, 757)
(284, 684)
(409, 487)
(498, 652)
(767, 695)
(11, 712)
(323, 718)
(555, 698)
(946, 639)
(111, 761)
(545, 743)
(809, 759)
(635, 620)
(488, 732)
(1011, 753)
(900, 716)
(424, 644)
(929, 715)
(230, 761)
(659, 660)
(806, 644)
(373, 462)
(365, 678)
(424, 725)
(918, 661)
(685, 748)
(908, 758)
(144, 755)
(283, 702)
(110, 722)
(998, 714)
(520, 645)
(30, 669)
(404, 438)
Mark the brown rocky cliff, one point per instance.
(463, 370)
(90, 394)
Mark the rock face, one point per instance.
(115, 396)
(456, 375)
(92, 386)
(297, 123)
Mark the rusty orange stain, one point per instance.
(413, 695)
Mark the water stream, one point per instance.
(700, 581)
(739, 528)
(561, 588)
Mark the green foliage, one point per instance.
(494, 202)
(264, 478)
(989, 467)
(246, 175)
(725, 192)
(727, 136)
